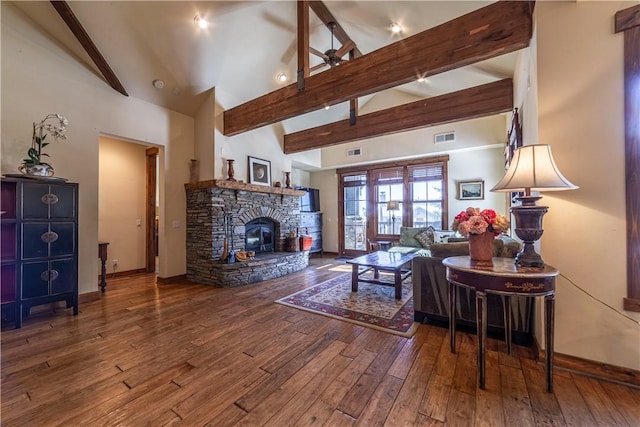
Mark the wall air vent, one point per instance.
(439, 138)
(354, 152)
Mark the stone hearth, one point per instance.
(209, 201)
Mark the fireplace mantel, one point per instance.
(241, 186)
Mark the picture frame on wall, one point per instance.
(259, 171)
(471, 190)
(514, 138)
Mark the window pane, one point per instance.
(434, 215)
(419, 190)
(435, 190)
(389, 222)
(419, 214)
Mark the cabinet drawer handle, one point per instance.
(49, 237)
(49, 199)
(49, 275)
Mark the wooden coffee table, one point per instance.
(381, 261)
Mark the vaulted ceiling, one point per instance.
(246, 45)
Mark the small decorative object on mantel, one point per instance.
(33, 164)
(287, 179)
(230, 170)
(481, 226)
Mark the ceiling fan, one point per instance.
(332, 57)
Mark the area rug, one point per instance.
(373, 306)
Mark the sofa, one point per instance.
(430, 287)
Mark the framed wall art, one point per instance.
(514, 138)
(471, 190)
(259, 171)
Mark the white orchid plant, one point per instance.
(56, 125)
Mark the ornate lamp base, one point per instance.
(529, 228)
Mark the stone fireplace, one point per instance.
(260, 219)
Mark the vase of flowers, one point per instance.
(481, 227)
(56, 125)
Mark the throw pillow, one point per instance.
(425, 237)
(442, 236)
(408, 234)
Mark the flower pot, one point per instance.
(481, 247)
(305, 242)
(36, 169)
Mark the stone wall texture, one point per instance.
(206, 208)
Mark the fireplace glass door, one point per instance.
(259, 235)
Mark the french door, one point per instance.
(353, 222)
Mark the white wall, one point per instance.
(204, 138)
(581, 114)
(263, 143)
(327, 182)
(122, 200)
(486, 164)
(39, 78)
(419, 143)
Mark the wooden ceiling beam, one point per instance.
(67, 15)
(491, 31)
(479, 101)
(322, 12)
(303, 43)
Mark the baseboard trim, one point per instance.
(171, 280)
(89, 297)
(126, 273)
(590, 368)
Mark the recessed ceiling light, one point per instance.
(326, 107)
(396, 28)
(158, 84)
(281, 77)
(201, 22)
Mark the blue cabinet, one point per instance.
(42, 225)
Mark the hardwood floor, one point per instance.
(186, 354)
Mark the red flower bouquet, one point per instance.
(476, 221)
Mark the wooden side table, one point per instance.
(102, 254)
(504, 278)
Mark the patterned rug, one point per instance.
(373, 306)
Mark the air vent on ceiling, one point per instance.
(439, 138)
(354, 152)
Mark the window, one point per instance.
(427, 196)
(378, 199)
(388, 184)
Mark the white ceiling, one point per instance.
(246, 45)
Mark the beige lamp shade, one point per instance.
(393, 205)
(533, 169)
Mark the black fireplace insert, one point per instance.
(259, 235)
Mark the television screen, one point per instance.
(310, 202)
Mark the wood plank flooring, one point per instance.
(187, 354)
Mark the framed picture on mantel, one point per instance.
(259, 171)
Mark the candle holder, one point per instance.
(230, 170)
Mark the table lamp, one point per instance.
(531, 169)
(393, 205)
